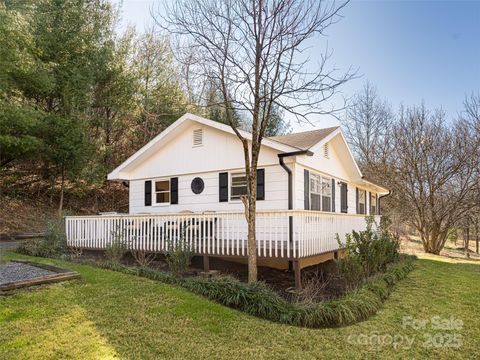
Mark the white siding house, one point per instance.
(188, 180)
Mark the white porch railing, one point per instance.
(218, 234)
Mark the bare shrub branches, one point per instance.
(143, 258)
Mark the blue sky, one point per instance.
(412, 51)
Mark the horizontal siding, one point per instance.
(299, 192)
(276, 194)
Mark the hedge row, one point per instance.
(258, 300)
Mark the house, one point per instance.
(186, 184)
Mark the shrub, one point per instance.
(367, 253)
(117, 248)
(257, 299)
(53, 244)
(178, 255)
(313, 286)
(143, 258)
(55, 240)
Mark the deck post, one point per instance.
(206, 263)
(298, 274)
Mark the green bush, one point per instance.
(117, 248)
(53, 244)
(367, 253)
(178, 255)
(257, 299)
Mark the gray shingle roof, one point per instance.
(306, 139)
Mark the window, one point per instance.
(326, 151)
(326, 194)
(239, 186)
(315, 192)
(320, 193)
(198, 137)
(362, 196)
(162, 192)
(373, 204)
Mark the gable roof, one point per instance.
(174, 128)
(306, 139)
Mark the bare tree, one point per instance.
(367, 123)
(255, 51)
(435, 171)
(470, 117)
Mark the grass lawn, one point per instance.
(108, 315)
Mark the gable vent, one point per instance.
(198, 137)
(326, 151)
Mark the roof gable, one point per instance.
(174, 129)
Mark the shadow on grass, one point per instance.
(107, 314)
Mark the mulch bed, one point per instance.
(19, 273)
(281, 281)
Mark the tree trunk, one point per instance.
(250, 203)
(62, 186)
(434, 241)
(476, 242)
(466, 241)
(252, 244)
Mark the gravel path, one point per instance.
(13, 271)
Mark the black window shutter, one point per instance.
(370, 203)
(333, 195)
(174, 190)
(223, 187)
(148, 193)
(260, 184)
(356, 200)
(343, 198)
(378, 204)
(306, 188)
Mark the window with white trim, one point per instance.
(326, 194)
(315, 192)
(162, 192)
(320, 193)
(238, 185)
(362, 197)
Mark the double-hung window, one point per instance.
(162, 192)
(320, 193)
(326, 194)
(315, 192)
(362, 197)
(239, 186)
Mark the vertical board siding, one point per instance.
(314, 232)
(275, 194)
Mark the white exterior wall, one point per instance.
(221, 152)
(351, 191)
(332, 167)
(276, 194)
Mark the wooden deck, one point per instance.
(289, 234)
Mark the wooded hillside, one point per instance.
(77, 97)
